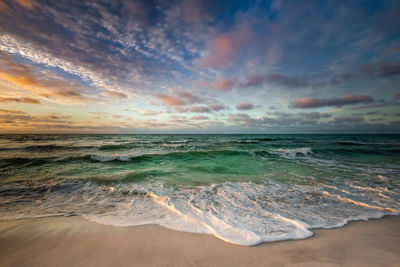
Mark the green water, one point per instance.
(244, 189)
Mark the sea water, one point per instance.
(244, 189)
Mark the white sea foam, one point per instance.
(246, 213)
(291, 152)
(177, 142)
(110, 158)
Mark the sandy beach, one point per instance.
(73, 241)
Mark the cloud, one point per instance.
(25, 100)
(223, 84)
(25, 3)
(309, 102)
(199, 109)
(397, 96)
(188, 97)
(220, 53)
(244, 106)
(115, 94)
(313, 115)
(253, 80)
(216, 107)
(382, 69)
(171, 100)
(274, 78)
(286, 81)
(39, 82)
(200, 117)
(13, 112)
(317, 80)
(180, 98)
(227, 48)
(29, 4)
(151, 113)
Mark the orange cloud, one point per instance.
(41, 83)
(14, 112)
(26, 100)
(29, 4)
(25, 3)
(3, 6)
(116, 94)
(223, 84)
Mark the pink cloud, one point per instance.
(197, 109)
(244, 106)
(253, 80)
(221, 51)
(274, 78)
(216, 107)
(397, 96)
(274, 55)
(382, 69)
(171, 100)
(309, 102)
(116, 94)
(200, 117)
(188, 97)
(224, 49)
(290, 82)
(179, 98)
(223, 84)
(202, 83)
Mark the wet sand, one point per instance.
(73, 241)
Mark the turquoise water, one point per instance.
(244, 189)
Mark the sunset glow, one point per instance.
(199, 66)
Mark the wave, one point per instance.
(123, 158)
(358, 150)
(350, 143)
(177, 142)
(244, 213)
(43, 148)
(245, 141)
(112, 147)
(172, 155)
(269, 139)
(291, 152)
(110, 158)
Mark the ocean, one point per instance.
(244, 189)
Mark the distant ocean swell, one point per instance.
(241, 189)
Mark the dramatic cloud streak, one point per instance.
(41, 83)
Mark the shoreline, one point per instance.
(74, 241)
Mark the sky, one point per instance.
(191, 66)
